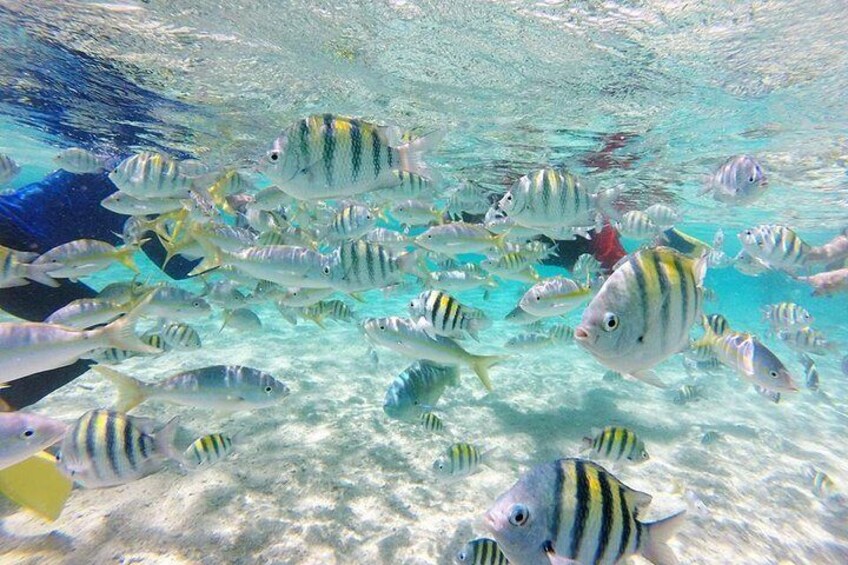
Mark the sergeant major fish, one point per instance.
(418, 388)
(617, 443)
(739, 180)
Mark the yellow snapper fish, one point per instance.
(555, 296)
(459, 237)
(573, 511)
(79, 161)
(86, 312)
(16, 269)
(27, 348)
(84, 257)
(329, 156)
(411, 339)
(643, 312)
(285, 265)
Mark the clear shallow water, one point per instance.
(326, 477)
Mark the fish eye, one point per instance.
(519, 515)
(538, 298)
(509, 197)
(429, 236)
(610, 322)
(27, 433)
(773, 374)
(268, 389)
(196, 303)
(751, 178)
(274, 155)
(326, 269)
(415, 402)
(461, 556)
(382, 327)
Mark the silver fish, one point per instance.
(79, 161)
(418, 388)
(739, 180)
(23, 434)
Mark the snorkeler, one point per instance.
(60, 208)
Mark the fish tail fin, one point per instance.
(131, 391)
(481, 365)
(228, 314)
(121, 332)
(655, 549)
(37, 484)
(124, 256)
(412, 154)
(41, 274)
(165, 441)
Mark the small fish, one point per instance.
(418, 388)
(459, 237)
(225, 293)
(285, 265)
(778, 247)
(122, 203)
(84, 257)
(416, 213)
(530, 341)
(822, 485)
(79, 161)
(228, 388)
(612, 377)
(555, 296)
(687, 393)
(643, 312)
(180, 336)
(152, 175)
(359, 265)
(710, 437)
(482, 551)
(617, 443)
(739, 180)
(806, 340)
(328, 310)
(748, 265)
(170, 301)
(447, 316)
(459, 279)
(752, 360)
(303, 297)
(575, 511)
(716, 323)
(85, 313)
(329, 156)
(520, 316)
(208, 450)
(431, 422)
(242, 319)
(410, 338)
(561, 333)
(104, 448)
(23, 434)
(586, 268)
(16, 269)
(460, 460)
(8, 169)
(512, 266)
(353, 221)
(390, 239)
(664, 217)
(636, 224)
(811, 373)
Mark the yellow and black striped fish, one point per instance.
(209, 449)
(618, 443)
(180, 336)
(461, 460)
(447, 315)
(778, 247)
(326, 156)
(687, 393)
(787, 315)
(716, 323)
(353, 221)
(431, 422)
(359, 265)
(482, 551)
(573, 509)
(106, 448)
(644, 311)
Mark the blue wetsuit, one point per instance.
(60, 208)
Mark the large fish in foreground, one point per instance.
(643, 312)
(327, 156)
(573, 511)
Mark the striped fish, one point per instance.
(431, 422)
(208, 450)
(529, 341)
(152, 175)
(16, 269)
(636, 224)
(644, 311)
(418, 388)
(561, 333)
(328, 156)
(447, 316)
(460, 460)
(752, 360)
(787, 316)
(328, 310)
(806, 340)
(353, 221)
(686, 394)
(739, 180)
(415, 213)
(512, 266)
(482, 551)
(106, 448)
(286, 265)
(823, 486)
(410, 186)
(359, 265)
(555, 296)
(586, 267)
(716, 323)
(572, 509)
(811, 373)
(83, 257)
(180, 336)
(618, 443)
(663, 216)
(778, 247)
(551, 200)
(78, 160)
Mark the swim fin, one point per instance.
(37, 484)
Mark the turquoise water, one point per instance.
(326, 476)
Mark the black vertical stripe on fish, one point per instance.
(375, 150)
(91, 442)
(389, 159)
(111, 447)
(685, 278)
(129, 446)
(641, 289)
(329, 148)
(666, 296)
(638, 542)
(142, 446)
(610, 440)
(625, 525)
(581, 509)
(304, 141)
(606, 515)
(369, 263)
(625, 438)
(546, 189)
(355, 148)
(214, 439)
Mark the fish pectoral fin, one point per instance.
(555, 559)
(648, 377)
(37, 484)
